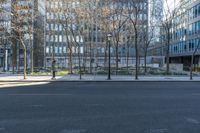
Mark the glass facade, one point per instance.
(185, 35)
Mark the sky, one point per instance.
(171, 4)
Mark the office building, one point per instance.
(78, 26)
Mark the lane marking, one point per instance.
(72, 131)
(37, 105)
(158, 130)
(18, 84)
(192, 120)
(196, 94)
(39, 94)
(95, 105)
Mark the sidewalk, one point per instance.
(95, 78)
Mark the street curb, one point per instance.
(101, 81)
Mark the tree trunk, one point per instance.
(117, 58)
(145, 62)
(32, 66)
(90, 57)
(24, 47)
(18, 62)
(105, 57)
(137, 57)
(191, 67)
(84, 59)
(79, 64)
(14, 58)
(167, 54)
(25, 59)
(70, 61)
(127, 59)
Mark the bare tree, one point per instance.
(20, 30)
(90, 23)
(65, 19)
(169, 14)
(1, 2)
(105, 22)
(77, 33)
(147, 39)
(118, 20)
(19, 35)
(134, 11)
(129, 43)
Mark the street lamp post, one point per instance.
(109, 39)
(6, 58)
(5, 53)
(53, 65)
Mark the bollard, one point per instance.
(53, 70)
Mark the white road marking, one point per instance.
(95, 104)
(196, 94)
(72, 131)
(39, 94)
(158, 130)
(37, 105)
(15, 84)
(192, 120)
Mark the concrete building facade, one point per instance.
(88, 35)
(184, 35)
(5, 44)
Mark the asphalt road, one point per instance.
(101, 107)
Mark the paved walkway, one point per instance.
(47, 78)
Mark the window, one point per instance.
(56, 27)
(60, 27)
(47, 38)
(102, 50)
(64, 39)
(198, 27)
(48, 15)
(199, 10)
(52, 27)
(81, 50)
(47, 4)
(64, 50)
(60, 50)
(185, 47)
(47, 26)
(47, 50)
(98, 39)
(56, 4)
(195, 11)
(52, 16)
(51, 39)
(52, 5)
(51, 50)
(56, 38)
(86, 39)
(60, 38)
(190, 29)
(56, 49)
(190, 45)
